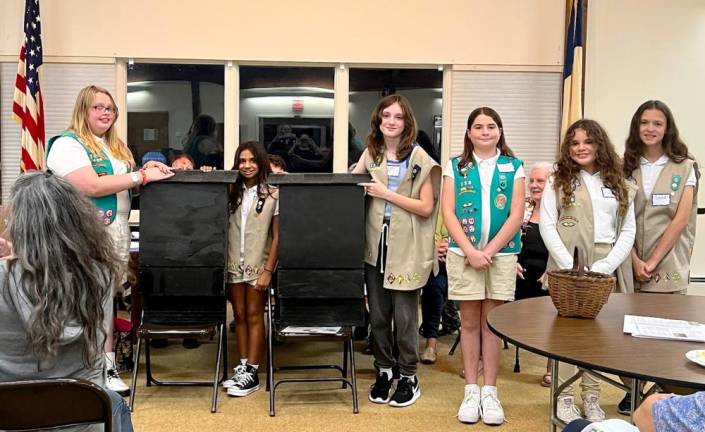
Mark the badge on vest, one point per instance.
(660, 200)
(415, 172)
(675, 183)
(466, 187)
(502, 182)
(568, 221)
(607, 193)
(500, 201)
(260, 205)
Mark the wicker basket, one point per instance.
(579, 293)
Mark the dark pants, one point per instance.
(577, 425)
(433, 296)
(389, 306)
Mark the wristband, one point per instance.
(268, 270)
(144, 177)
(135, 178)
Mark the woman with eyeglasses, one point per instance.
(91, 156)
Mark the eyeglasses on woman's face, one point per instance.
(104, 109)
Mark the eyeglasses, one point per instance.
(104, 109)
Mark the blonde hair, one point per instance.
(79, 125)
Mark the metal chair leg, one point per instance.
(353, 375)
(455, 344)
(135, 366)
(345, 363)
(148, 363)
(218, 357)
(270, 357)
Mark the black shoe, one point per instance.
(379, 392)
(407, 392)
(191, 343)
(625, 405)
(247, 383)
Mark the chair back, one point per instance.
(52, 403)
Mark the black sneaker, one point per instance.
(407, 392)
(379, 392)
(625, 405)
(247, 383)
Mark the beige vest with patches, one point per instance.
(258, 238)
(411, 250)
(575, 226)
(673, 271)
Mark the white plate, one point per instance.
(696, 356)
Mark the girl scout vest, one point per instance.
(258, 238)
(576, 228)
(106, 205)
(411, 251)
(653, 214)
(468, 200)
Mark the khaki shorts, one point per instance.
(498, 282)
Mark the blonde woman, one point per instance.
(90, 156)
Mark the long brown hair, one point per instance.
(607, 163)
(79, 125)
(673, 146)
(263, 171)
(469, 147)
(375, 140)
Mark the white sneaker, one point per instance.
(115, 383)
(469, 411)
(237, 371)
(492, 411)
(591, 408)
(566, 409)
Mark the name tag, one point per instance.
(393, 171)
(660, 200)
(607, 193)
(505, 167)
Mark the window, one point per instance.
(422, 87)
(290, 111)
(174, 109)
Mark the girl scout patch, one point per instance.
(568, 221)
(675, 182)
(500, 201)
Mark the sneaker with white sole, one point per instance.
(237, 371)
(247, 384)
(591, 408)
(115, 383)
(406, 393)
(379, 392)
(469, 411)
(566, 409)
(491, 407)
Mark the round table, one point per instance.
(600, 344)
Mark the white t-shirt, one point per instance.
(605, 210)
(249, 196)
(486, 168)
(651, 171)
(67, 155)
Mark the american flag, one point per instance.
(573, 65)
(27, 107)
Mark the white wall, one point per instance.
(649, 49)
(175, 98)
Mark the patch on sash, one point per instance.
(568, 221)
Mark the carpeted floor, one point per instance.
(326, 407)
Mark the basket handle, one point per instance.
(578, 261)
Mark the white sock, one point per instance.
(255, 366)
(243, 361)
(110, 360)
(469, 387)
(388, 372)
(489, 389)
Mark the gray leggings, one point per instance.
(387, 306)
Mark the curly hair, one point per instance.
(469, 147)
(607, 163)
(64, 263)
(375, 140)
(672, 145)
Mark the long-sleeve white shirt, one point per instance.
(605, 210)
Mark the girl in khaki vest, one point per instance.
(400, 248)
(483, 206)
(588, 204)
(253, 241)
(665, 205)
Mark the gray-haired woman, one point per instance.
(56, 277)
